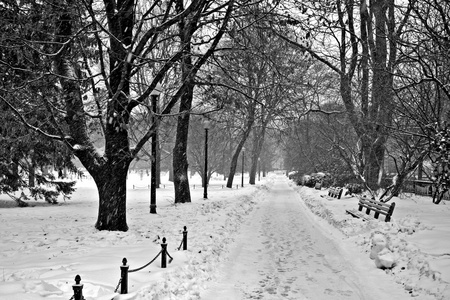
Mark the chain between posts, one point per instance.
(124, 269)
(138, 269)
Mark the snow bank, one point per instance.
(413, 248)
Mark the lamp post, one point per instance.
(154, 96)
(206, 125)
(243, 155)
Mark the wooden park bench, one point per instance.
(373, 205)
(335, 192)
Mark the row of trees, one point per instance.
(387, 60)
(336, 83)
(80, 74)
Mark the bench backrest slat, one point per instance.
(375, 204)
(335, 192)
(378, 208)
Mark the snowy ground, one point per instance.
(43, 247)
(419, 237)
(285, 252)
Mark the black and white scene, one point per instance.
(224, 150)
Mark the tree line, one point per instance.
(344, 82)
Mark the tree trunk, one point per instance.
(111, 183)
(374, 165)
(32, 172)
(180, 162)
(253, 169)
(376, 115)
(110, 171)
(236, 154)
(171, 173)
(380, 112)
(233, 167)
(257, 146)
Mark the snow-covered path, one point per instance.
(282, 252)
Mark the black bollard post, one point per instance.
(124, 276)
(77, 289)
(163, 253)
(185, 238)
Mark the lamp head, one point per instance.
(206, 123)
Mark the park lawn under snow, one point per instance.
(43, 247)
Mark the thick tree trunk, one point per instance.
(180, 162)
(111, 183)
(171, 173)
(380, 111)
(233, 166)
(374, 157)
(109, 171)
(376, 112)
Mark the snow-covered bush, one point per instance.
(354, 188)
(309, 181)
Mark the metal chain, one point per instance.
(117, 287)
(171, 258)
(182, 240)
(138, 269)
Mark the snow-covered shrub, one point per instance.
(309, 181)
(354, 188)
(327, 180)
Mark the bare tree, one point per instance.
(94, 52)
(365, 62)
